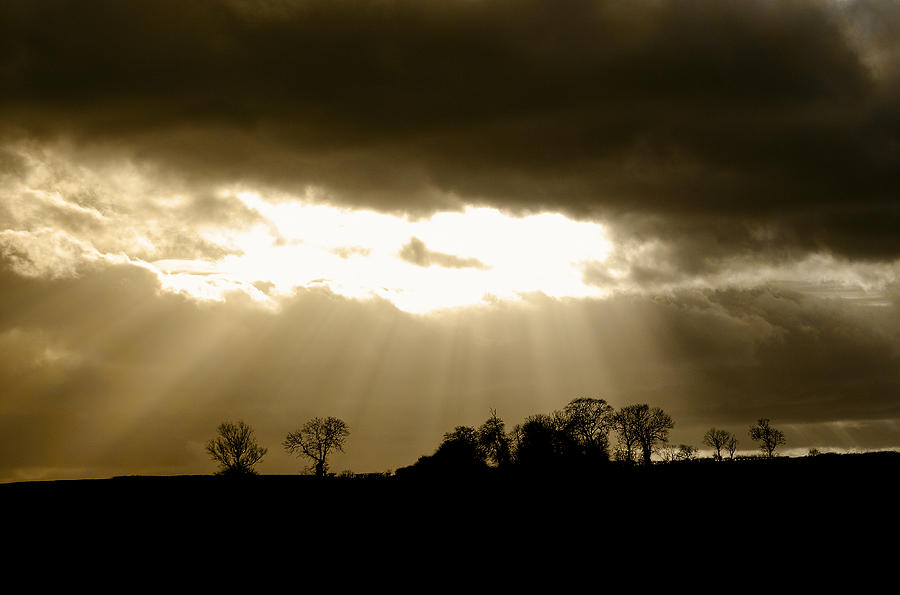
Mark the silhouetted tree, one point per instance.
(644, 426)
(589, 422)
(318, 438)
(628, 438)
(717, 439)
(768, 437)
(465, 435)
(460, 454)
(543, 442)
(686, 452)
(731, 445)
(235, 449)
(682, 452)
(494, 441)
(461, 451)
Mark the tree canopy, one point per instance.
(235, 449)
(768, 437)
(493, 439)
(589, 421)
(718, 440)
(641, 425)
(318, 438)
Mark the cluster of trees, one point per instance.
(236, 451)
(769, 439)
(575, 437)
(720, 441)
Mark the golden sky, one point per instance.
(406, 214)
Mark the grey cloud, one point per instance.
(759, 112)
(349, 251)
(418, 254)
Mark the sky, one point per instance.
(409, 213)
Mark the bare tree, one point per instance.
(644, 426)
(542, 442)
(318, 438)
(493, 439)
(768, 437)
(682, 452)
(717, 439)
(628, 437)
(731, 445)
(589, 421)
(686, 452)
(235, 449)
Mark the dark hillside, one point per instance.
(808, 481)
(785, 511)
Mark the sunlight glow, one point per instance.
(477, 256)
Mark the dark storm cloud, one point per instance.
(418, 254)
(736, 115)
(806, 356)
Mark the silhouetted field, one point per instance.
(731, 514)
(757, 483)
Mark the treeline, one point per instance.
(576, 439)
(237, 453)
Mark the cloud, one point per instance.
(114, 207)
(741, 157)
(654, 267)
(109, 375)
(49, 253)
(415, 252)
(351, 251)
(737, 115)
